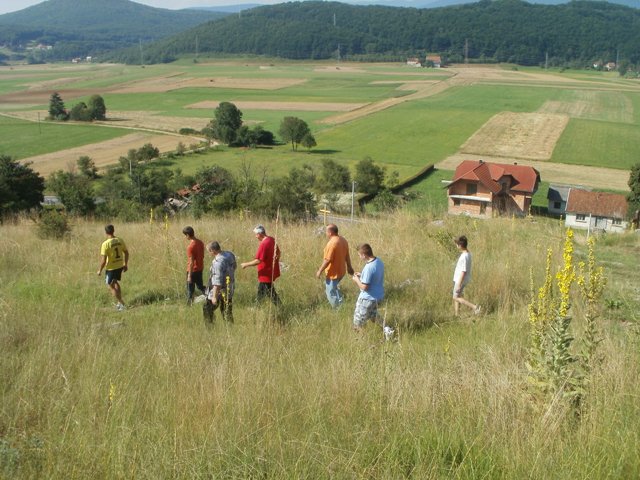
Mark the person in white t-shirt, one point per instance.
(462, 277)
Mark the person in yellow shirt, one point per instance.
(114, 258)
(336, 262)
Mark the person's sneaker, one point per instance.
(200, 299)
(477, 310)
(120, 307)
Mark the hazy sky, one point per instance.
(7, 6)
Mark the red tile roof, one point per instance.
(525, 179)
(612, 205)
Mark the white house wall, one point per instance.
(594, 223)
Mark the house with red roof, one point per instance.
(484, 189)
(596, 210)
(434, 60)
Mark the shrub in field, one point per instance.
(53, 224)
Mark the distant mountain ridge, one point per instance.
(496, 31)
(79, 27)
(448, 3)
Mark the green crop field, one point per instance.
(22, 139)
(600, 144)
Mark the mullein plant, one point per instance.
(555, 372)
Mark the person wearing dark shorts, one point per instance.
(114, 256)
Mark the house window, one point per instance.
(472, 188)
(456, 202)
(581, 218)
(557, 205)
(617, 221)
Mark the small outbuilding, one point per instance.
(596, 211)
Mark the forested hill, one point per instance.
(501, 30)
(78, 27)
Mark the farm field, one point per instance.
(152, 393)
(403, 118)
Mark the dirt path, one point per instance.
(596, 177)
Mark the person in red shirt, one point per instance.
(195, 265)
(267, 260)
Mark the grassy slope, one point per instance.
(152, 394)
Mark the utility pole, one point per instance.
(196, 45)
(546, 60)
(466, 51)
(141, 58)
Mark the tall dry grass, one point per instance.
(294, 393)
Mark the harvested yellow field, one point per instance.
(530, 136)
(105, 153)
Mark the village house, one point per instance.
(597, 211)
(414, 62)
(483, 189)
(557, 197)
(436, 60)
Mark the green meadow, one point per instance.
(293, 392)
(23, 139)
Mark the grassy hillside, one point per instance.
(504, 31)
(151, 393)
(74, 28)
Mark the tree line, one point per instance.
(491, 31)
(94, 109)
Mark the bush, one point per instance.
(53, 224)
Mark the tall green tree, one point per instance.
(634, 185)
(293, 129)
(333, 177)
(227, 122)
(97, 108)
(369, 176)
(57, 110)
(308, 141)
(20, 187)
(74, 191)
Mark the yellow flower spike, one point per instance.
(112, 393)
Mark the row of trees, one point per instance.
(94, 109)
(227, 127)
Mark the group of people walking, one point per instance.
(336, 264)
